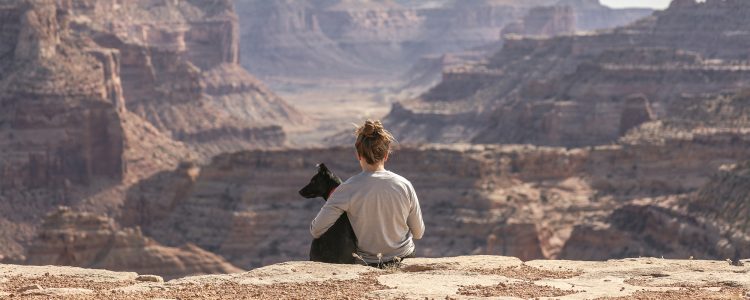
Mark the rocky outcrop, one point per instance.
(418, 278)
(725, 198)
(61, 118)
(70, 238)
(179, 65)
(580, 90)
(545, 21)
(93, 95)
(591, 15)
(59, 122)
(648, 230)
(708, 223)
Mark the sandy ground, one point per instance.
(468, 277)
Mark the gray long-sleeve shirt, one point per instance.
(383, 210)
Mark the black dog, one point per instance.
(339, 242)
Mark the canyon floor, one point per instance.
(466, 277)
(336, 106)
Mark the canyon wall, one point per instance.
(179, 66)
(61, 122)
(527, 201)
(68, 238)
(97, 95)
(587, 89)
(375, 39)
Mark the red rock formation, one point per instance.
(61, 120)
(86, 240)
(365, 39)
(180, 71)
(725, 197)
(574, 90)
(545, 21)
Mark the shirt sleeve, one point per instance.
(415, 222)
(329, 213)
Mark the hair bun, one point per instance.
(371, 128)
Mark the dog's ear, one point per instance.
(322, 167)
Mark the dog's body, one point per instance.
(339, 242)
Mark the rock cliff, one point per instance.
(61, 122)
(60, 118)
(525, 201)
(68, 238)
(419, 278)
(179, 66)
(545, 21)
(375, 39)
(94, 96)
(585, 89)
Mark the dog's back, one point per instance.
(339, 242)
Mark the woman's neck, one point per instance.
(373, 168)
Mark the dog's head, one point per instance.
(321, 184)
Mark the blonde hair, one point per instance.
(373, 142)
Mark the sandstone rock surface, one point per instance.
(465, 277)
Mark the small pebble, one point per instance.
(149, 278)
(29, 288)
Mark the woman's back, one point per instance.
(382, 208)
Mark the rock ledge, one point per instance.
(433, 278)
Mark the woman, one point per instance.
(382, 206)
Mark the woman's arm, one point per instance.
(329, 213)
(415, 222)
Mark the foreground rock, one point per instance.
(433, 278)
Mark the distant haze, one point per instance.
(656, 4)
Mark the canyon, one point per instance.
(524, 201)
(134, 138)
(346, 61)
(582, 90)
(339, 39)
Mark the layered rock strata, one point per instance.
(179, 66)
(545, 21)
(68, 238)
(61, 117)
(375, 39)
(586, 89)
(94, 94)
(524, 201)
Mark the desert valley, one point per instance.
(170, 137)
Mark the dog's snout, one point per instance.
(306, 193)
